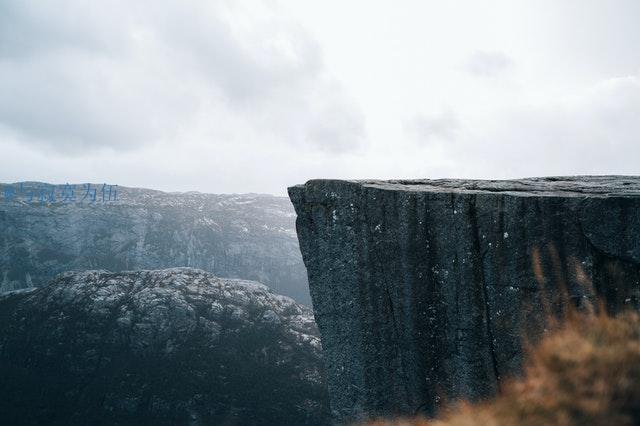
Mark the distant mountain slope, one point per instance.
(247, 236)
(175, 346)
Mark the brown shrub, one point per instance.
(584, 372)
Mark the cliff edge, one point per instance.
(422, 289)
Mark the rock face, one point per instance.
(248, 236)
(175, 346)
(423, 289)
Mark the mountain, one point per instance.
(174, 346)
(43, 232)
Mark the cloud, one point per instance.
(441, 126)
(255, 95)
(488, 63)
(78, 76)
(592, 132)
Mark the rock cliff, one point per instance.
(176, 346)
(247, 236)
(423, 289)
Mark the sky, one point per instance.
(232, 96)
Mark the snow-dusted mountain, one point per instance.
(249, 236)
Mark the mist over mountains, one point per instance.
(247, 236)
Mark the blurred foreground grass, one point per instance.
(585, 371)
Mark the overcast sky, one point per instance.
(243, 96)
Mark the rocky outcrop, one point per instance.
(175, 346)
(247, 236)
(422, 290)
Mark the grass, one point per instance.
(585, 371)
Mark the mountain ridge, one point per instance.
(248, 236)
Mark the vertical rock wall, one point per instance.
(423, 289)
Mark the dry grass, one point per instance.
(585, 372)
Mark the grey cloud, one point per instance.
(31, 28)
(247, 67)
(87, 106)
(427, 128)
(488, 63)
(76, 76)
(335, 128)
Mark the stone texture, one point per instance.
(247, 236)
(422, 289)
(175, 346)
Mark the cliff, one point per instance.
(176, 346)
(422, 290)
(247, 236)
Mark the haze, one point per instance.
(243, 96)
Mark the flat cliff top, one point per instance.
(543, 186)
